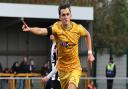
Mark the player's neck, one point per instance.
(67, 26)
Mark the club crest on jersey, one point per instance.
(64, 44)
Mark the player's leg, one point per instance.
(72, 86)
(74, 79)
(69, 80)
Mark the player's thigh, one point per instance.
(75, 77)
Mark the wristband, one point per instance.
(89, 51)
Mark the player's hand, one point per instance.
(25, 27)
(45, 79)
(90, 59)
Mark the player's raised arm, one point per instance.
(34, 30)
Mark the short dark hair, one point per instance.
(64, 5)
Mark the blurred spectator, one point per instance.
(23, 69)
(6, 70)
(15, 67)
(24, 65)
(5, 82)
(31, 66)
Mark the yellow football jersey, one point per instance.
(67, 45)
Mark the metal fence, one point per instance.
(36, 83)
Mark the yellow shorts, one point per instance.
(69, 77)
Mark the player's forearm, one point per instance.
(89, 42)
(52, 72)
(38, 31)
(89, 46)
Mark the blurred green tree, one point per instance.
(111, 25)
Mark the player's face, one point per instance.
(65, 16)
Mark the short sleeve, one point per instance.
(54, 27)
(82, 30)
(51, 29)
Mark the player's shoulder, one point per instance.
(76, 24)
(57, 23)
(56, 26)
